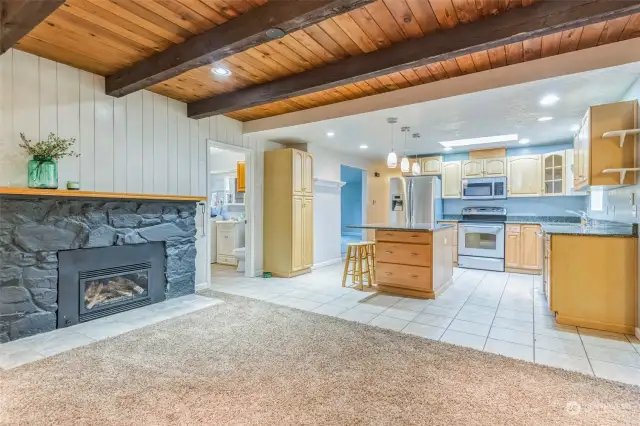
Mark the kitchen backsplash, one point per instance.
(534, 206)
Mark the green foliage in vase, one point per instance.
(53, 147)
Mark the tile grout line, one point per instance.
(465, 302)
(496, 312)
(585, 352)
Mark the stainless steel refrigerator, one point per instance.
(415, 200)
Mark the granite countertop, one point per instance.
(567, 225)
(391, 227)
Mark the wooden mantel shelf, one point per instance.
(31, 192)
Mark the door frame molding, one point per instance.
(249, 200)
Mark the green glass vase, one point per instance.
(43, 172)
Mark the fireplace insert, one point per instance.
(97, 282)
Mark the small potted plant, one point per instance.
(43, 167)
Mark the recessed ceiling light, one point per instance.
(364, 146)
(222, 72)
(550, 99)
(275, 33)
(545, 118)
(331, 134)
(524, 141)
(478, 141)
(575, 127)
(447, 148)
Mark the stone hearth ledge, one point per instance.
(33, 230)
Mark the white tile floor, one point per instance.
(489, 311)
(34, 348)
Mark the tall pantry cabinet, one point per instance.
(288, 212)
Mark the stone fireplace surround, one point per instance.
(34, 230)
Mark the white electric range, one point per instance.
(481, 238)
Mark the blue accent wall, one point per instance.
(351, 199)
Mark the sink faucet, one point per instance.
(584, 217)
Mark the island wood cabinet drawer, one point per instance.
(413, 277)
(404, 237)
(407, 254)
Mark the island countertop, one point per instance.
(429, 227)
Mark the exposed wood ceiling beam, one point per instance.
(236, 35)
(542, 18)
(18, 17)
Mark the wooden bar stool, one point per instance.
(358, 264)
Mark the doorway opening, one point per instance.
(228, 196)
(351, 205)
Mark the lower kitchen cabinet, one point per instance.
(591, 281)
(455, 241)
(523, 249)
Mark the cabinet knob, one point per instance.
(414, 276)
(388, 273)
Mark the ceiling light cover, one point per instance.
(392, 160)
(415, 169)
(222, 72)
(364, 146)
(524, 141)
(548, 100)
(482, 140)
(330, 134)
(404, 165)
(545, 118)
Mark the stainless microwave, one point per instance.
(484, 188)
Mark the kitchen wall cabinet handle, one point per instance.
(414, 276)
(414, 254)
(388, 273)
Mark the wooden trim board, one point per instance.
(32, 192)
(482, 154)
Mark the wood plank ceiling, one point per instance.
(104, 36)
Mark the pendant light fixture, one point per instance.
(392, 158)
(415, 169)
(404, 164)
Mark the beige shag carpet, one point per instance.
(248, 362)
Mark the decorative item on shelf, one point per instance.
(43, 167)
(392, 158)
(415, 169)
(404, 164)
(73, 185)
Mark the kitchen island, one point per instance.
(413, 260)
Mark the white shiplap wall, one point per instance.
(141, 143)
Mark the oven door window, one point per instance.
(480, 241)
(478, 190)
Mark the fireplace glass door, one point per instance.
(108, 288)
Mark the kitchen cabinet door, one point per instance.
(297, 234)
(472, 169)
(307, 187)
(494, 167)
(431, 165)
(569, 173)
(241, 177)
(524, 176)
(531, 243)
(512, 250)
(307, 232)
(451, 179)
(553, 173)
(298, 178)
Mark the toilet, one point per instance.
(239, 255)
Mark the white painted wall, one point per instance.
(141, 143)
(326, 206)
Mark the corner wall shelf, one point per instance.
(329, 183)
(621, 134)
(623, 172)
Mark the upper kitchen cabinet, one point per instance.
(487, 167)
(553, 173)
(472, 169)
(524, 176)
(600, 160)
(451, 179)
(431, 165)
(494, 167)
(241, 176)
(302, 173)
(569, 170)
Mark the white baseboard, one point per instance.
(638, 332)
(327, 263)
(202, 286)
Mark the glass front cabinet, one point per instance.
(553, 173)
